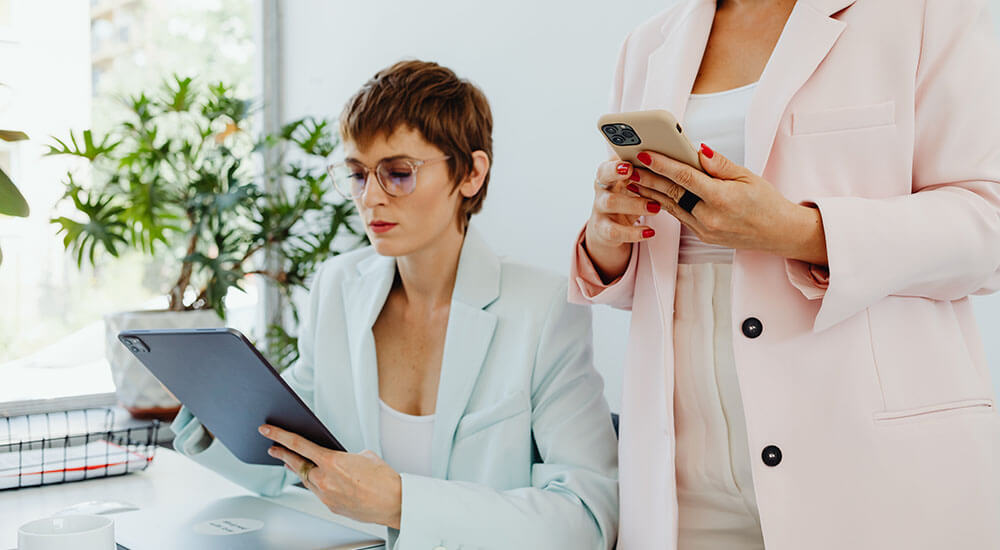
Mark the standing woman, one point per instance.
(804, 370)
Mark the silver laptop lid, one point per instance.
(244, 523)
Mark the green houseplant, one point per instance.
(179, 177)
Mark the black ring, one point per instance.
(688, 200)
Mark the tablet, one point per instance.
(229, 386)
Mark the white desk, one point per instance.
(171, 480)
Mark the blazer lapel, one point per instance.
(807, 38)
(469, 334)
(364, 297)
(673, 66)
(670, 73)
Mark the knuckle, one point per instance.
(614, 203)
(606, 231)
(683, 177)
(601, 201)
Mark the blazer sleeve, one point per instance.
(942, 241)
(573, 498)
(586, 285)
(190, 438)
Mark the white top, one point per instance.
(717, 120)
(406, 440)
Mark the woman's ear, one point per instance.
(474, 181)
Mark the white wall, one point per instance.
(546, 69)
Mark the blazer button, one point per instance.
(771, 455)
(752, 327)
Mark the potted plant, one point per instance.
(176, 179)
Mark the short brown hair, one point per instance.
(451, 113)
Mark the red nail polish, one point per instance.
(707, 151)
(632, 187)
(634, 176)
(622, 168)
(644, 158)
(648, 233)
(653, 207)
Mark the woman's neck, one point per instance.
(426, 278)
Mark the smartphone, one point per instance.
(654, 130)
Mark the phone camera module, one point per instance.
(624, 135)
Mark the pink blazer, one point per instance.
(869, 375)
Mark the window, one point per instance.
(51, 329)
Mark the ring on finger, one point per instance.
(305, 469)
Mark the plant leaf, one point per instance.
(104, 225)
(12, 202)
(90, 150)
(13, 135)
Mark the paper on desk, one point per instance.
(38, 466)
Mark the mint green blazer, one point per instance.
(524, 454)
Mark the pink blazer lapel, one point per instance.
(807, 38)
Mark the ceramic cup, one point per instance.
(79, 532)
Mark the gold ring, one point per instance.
(305, 469)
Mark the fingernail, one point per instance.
(633, 188)
(634, 176)
(648, 233)
(263, 430)
(707, 151)
(653, 207)
(622, 168)
(270, 451)
(644, 158)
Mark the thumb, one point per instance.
(717, 165)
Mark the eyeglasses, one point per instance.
(396, 176)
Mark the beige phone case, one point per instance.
(654, 130)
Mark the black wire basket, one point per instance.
(59, 447)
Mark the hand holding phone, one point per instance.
(612, 225)
(655, 130)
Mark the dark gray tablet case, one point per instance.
(229, 386)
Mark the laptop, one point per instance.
(243, 522)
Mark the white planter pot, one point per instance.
(136, 388)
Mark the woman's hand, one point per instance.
(611, 228)
(360, 486)
(738, 209)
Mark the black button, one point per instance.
(771, 455)
(752, 327)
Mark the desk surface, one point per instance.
(170, 480)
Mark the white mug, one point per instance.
(79, 532)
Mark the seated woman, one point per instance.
(461, 384)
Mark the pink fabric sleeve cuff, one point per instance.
(812, 280)
(588, 288)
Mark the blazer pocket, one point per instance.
(844, 118)
(935, 411)
(476, 421)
